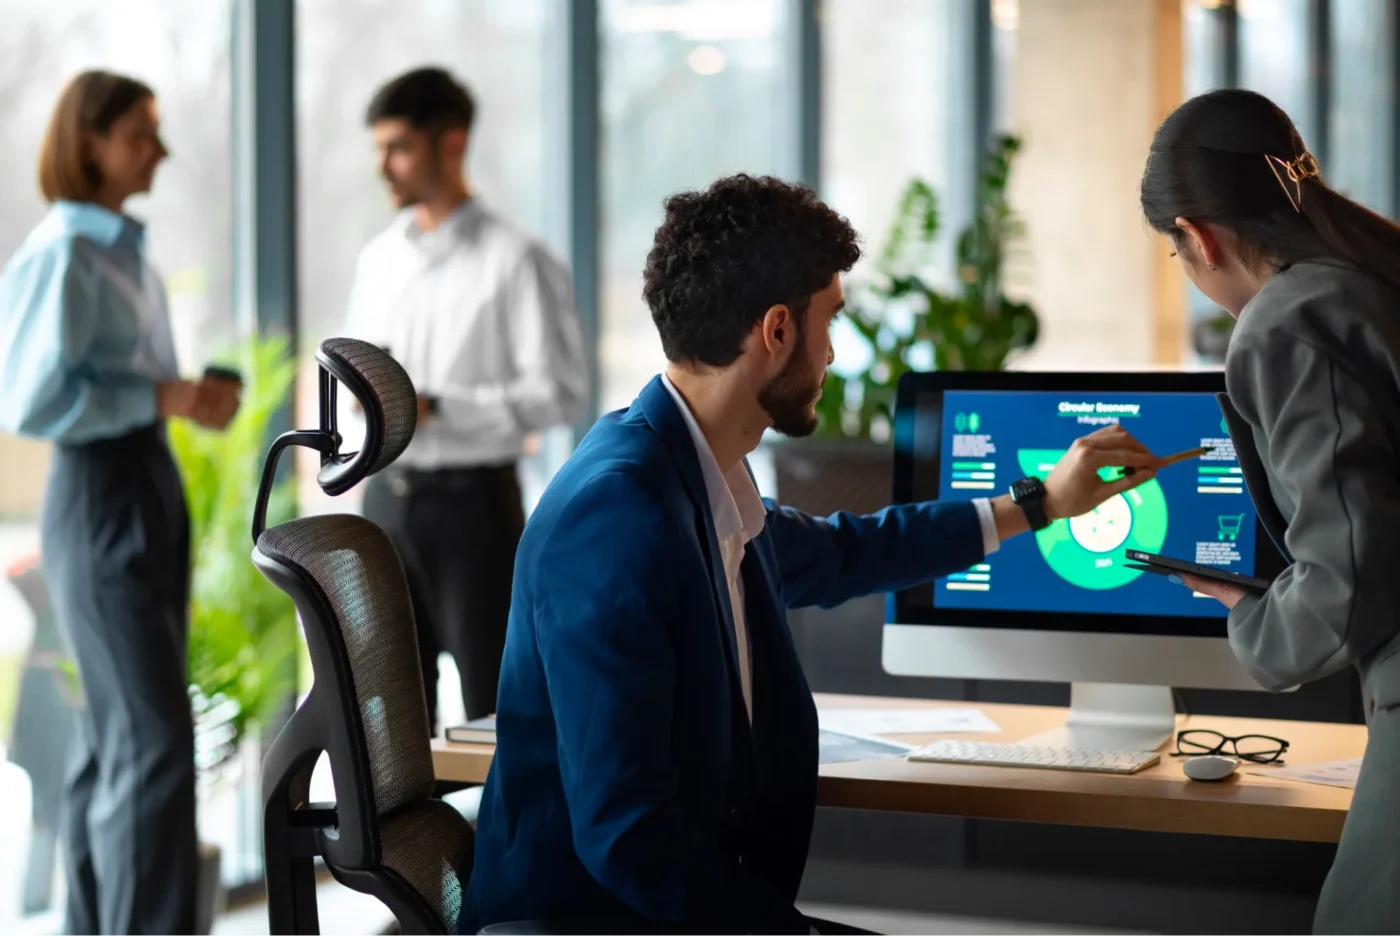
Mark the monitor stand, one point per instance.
(1113, 717)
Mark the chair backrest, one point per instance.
(356, 611)
(366, 709)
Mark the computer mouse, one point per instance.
(1210, 767)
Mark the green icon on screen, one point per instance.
(1229, 527)
(960, 422)
(974, 422)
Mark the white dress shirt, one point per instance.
(482, 317)
(739, 515)
(987, 520)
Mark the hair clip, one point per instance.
(1300, 170)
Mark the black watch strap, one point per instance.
(1029, 495)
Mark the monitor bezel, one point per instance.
(915, 385)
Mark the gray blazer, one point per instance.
(1313, 369)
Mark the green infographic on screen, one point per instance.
(1197, 510)
(1082, 551)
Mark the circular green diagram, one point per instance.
(1088, 550)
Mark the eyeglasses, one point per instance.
(1259, 749)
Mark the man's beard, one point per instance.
(404, 198)
(407, 193)
(788, 398)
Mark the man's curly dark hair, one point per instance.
(724, 256)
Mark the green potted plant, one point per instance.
(973, 327)
(906, 321)
(242, 645)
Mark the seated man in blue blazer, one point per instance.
(656, 759)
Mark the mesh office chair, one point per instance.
(385, 835)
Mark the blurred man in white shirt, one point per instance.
(482, 317)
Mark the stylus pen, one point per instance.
(1173, 459)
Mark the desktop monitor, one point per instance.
(1061, 604)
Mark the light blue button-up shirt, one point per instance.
(84, 329)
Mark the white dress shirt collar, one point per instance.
(734, 502)
(452, 230)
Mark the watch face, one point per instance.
(1026, 487)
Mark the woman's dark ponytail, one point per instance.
(1224, 158)
(1353, 232)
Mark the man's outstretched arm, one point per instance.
(825, 561)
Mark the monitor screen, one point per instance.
(958, 442)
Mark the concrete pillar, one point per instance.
(1085, 98)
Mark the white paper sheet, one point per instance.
(837, 747)
(906, 721)
(1340, 773)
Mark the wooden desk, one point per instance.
(1159, 799)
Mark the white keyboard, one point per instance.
(1025, 755)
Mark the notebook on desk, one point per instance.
(476, 731)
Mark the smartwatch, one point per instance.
(1029, 495)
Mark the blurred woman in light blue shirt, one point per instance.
(87, 363)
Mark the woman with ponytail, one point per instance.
(1313, 380)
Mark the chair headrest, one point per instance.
(389, 401)
(390, 404)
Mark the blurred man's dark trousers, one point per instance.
(456, 530)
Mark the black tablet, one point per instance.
(1165, 565)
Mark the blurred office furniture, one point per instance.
(43, 724)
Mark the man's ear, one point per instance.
(776, 330)
(452, 144)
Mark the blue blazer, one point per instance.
(627, 782)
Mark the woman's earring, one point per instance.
(1212, 266)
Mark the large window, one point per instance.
(1274, 40)
(886, 91)
(1207, 46)
(1361, 152)
(691, 91)
(1208, 52)
(181, 49)
(1006, 23)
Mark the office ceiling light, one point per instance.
(1257, 9)
(1006, 14)
(706, 60)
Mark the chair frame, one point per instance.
(297, 831)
